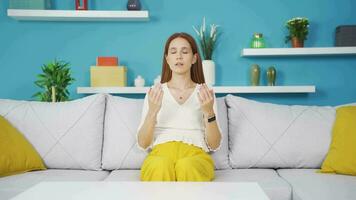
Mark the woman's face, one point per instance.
(180, 56)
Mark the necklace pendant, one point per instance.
(180, 97)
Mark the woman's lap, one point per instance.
(179, 162)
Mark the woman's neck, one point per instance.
(181, 82)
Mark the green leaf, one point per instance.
(297, 27)
(55, 73)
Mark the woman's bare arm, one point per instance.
(212, 132)
(145, 133)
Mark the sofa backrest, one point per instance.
(265, 135)
(67, 135)
(75, 135)
(122, 118)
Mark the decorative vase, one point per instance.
(271, 76)
(209, 72)
(53, 94)
(157, 80)
(81, 4)
(297, 43)
(258, 41)
(255, 75)
(133, 5)
(139, 81)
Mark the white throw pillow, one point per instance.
(122, 118)
(265, 135)
(66, 134)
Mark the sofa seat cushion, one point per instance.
(266, 135)
(124, 175)
(308, 184)
(13, 185)
(274, 186)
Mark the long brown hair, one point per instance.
(196, 71)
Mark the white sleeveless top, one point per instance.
(179, 122)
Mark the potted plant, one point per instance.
(207, 41)
(298, 31)
(54, 81)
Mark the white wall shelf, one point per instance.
(315, 51)
(74, 15)
(217, 89)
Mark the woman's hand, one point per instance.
(206, 99)
(155, 95)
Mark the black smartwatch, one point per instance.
(211, 119)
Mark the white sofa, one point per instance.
(93, 139)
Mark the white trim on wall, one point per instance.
(217, 89)
(75, 15)
(306, 51)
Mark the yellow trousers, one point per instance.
(177, 161)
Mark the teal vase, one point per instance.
(271, 76)
(255, 75)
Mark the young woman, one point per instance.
(179, 119)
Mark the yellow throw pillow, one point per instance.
(17, 155)
(341, 158)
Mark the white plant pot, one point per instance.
(209, 72)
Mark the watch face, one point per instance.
(211, 119)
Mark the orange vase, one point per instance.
(297, 43)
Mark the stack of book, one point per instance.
(108, 73)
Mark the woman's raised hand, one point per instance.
(155, 94)
(206, 99)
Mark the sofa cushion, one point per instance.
(66, 134)
(266, 135)
(307, 184)
(274, 186)
(221, 157)
(124, 175)
(13, 185)
(122, 118)
(17, 154)
(341, 157)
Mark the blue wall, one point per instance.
(25, 46)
